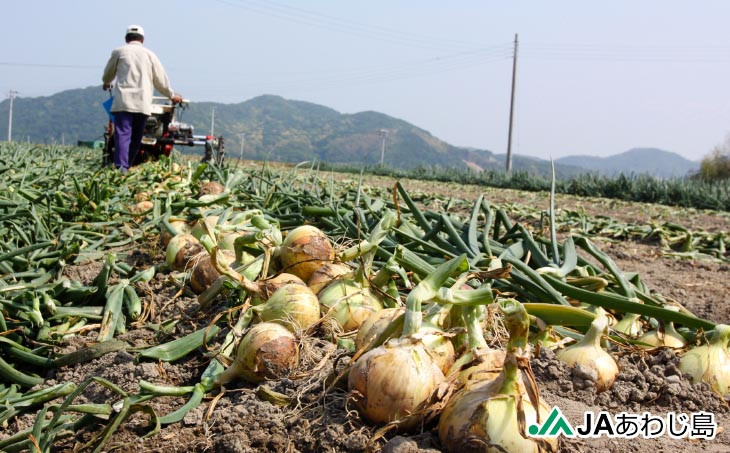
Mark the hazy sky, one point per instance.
(593, 77)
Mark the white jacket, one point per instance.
(138, 71)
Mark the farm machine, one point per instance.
(162, 132)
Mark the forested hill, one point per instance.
(275, 129)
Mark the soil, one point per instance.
(240, 421)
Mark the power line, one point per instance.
(49, 65)
(345, 26)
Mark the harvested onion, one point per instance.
(202, 225)
(204, 273)
(392, 381)
(180, 227)
(326, 274)
(376, 324)
(710, 363)
(141, 207)
(211, 188)
(293, 305)
(267, 351)
(181, 249)
(349, 303)
(589, 353)
(305, 250)
(486, 417)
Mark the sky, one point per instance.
(593, 77)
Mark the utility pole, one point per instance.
(512, 108)
(11, 95)
(212, 123)
(383, 134)
(243, 140)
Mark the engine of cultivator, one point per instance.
(162, 132)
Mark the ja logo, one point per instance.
(555, 425)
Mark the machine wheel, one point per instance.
(107, 156)
(214, 151)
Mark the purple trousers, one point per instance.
(128, 132)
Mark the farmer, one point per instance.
(137, 71)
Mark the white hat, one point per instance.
(135, 29)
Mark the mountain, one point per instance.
(293, 131)
(652, 161)
(275, 128)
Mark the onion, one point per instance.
(211, 188)
(293, 305)
(141, 196)
(348, 303)
(199, 229)
(267, 287)
(377, 323)
(669, 337)
(486, 366)
(629, 325)
(226, 241)
(327, 273)
(589, 353)
(486, 417)
(305, 250)
(710, 363)
(483, 415)
(204, 273)
(141, 207)
(392, 381)
(181, 249)
(180, 227)
(267, 351)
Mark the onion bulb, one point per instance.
(269, 286)
(181, 249)
(486, 366)
(629, 325)
(211, 188)
(710, 363)
(349, 303)
(293, 305)
(180, 227)
(305, 250)
(589, 353)
(201, 226)
(141, 207)
(226, 241)
(267, 351)
(669, 337)
(482, 415)
(327, 273)
(485, 417)
(392, 381)
(377, 323)
(204, 273)
(141, 196)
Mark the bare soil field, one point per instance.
(307, 420)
